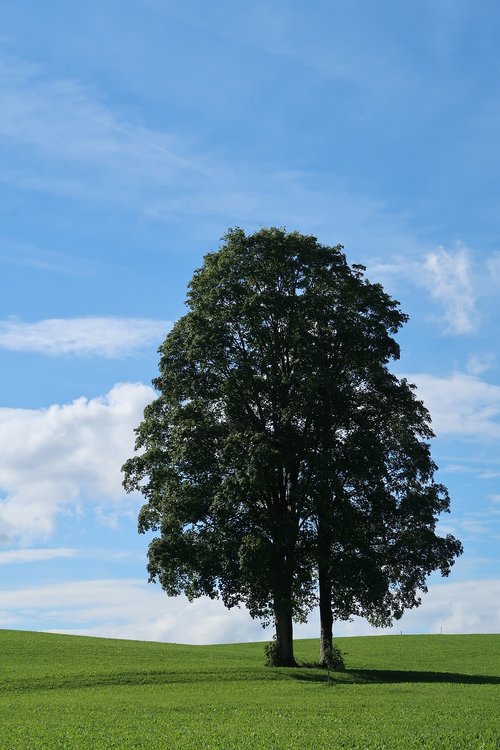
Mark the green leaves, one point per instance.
(280, 444)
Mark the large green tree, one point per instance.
(282, 462)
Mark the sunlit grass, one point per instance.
(398, 692)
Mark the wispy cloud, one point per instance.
(448, 278)
(27, 255)
(461, 405)
(63, 119)
(478, 526)
(61, 135)
(456, 469)
(57, 459)
(34, 555)
(479, 363)
(89, 336)
(493, 264)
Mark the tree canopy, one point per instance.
(282, 463)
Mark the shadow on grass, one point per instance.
(381, 676)
(138, 678)
(170, 678)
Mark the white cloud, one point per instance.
(448, 278)
(126, 609)
(464, 607)
(461, 405)
(34, 555)
(57, 458)
(106, 337)
(479, 363)
(133, 609)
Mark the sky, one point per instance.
(132, 136)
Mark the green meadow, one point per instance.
(436, 691)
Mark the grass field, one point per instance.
(401, 692)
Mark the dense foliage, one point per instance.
(282, 461)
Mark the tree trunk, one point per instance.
(284, 547)
(283, 613)
(326, 617)
(284, 640)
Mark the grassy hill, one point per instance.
(398, 692)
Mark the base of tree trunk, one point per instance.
(276, 658)
(281, 653)
(325, 651)
(326, 627)
(285, 662)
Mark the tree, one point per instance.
(281, 455)
(377, 540)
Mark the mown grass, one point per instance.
(439, 692)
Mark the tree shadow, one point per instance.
(394, 676)
(132, 678)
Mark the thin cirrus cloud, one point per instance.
(493, 264)
(29, 255)
(86, 336)
(60, 137)
(479, 363)
(59, 120)
(34, 555)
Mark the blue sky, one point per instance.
(131, 137)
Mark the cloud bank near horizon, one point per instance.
(130, 609)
